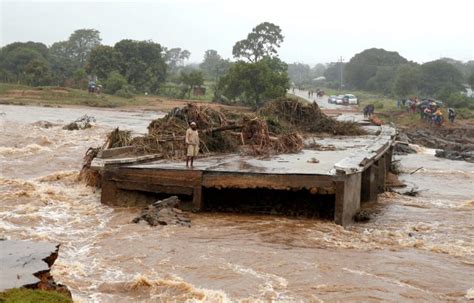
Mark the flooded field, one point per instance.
(416, 249)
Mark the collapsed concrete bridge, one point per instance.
(339, 179)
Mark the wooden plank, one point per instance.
(162, 177)
(154, 188)
(116, 151)
(285, 182)
(100, 163)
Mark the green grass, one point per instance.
(174, 91)
(4, 87)
(51, 95)
(465, 113)
(23, 295)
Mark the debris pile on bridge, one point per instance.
(118, 138)
(287, 113)
(278, 127)
(220, 132)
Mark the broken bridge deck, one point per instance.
(350, 168)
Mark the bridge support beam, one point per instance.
(348, 193)
(369, 189)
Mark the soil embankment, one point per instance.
(28, 264)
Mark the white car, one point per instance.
(340, 100)
(350, 99)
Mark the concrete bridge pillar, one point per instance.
(388, 159)
(381, 173)
(348, 192)
(369, 188)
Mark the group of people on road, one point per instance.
(319, 93)
(93, 87)
(430, 111)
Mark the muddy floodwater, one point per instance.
(416, 249)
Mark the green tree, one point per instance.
(115, 81)
(333, 73)
(142, 64)
(37, 73)
(184, 55)
(263, 41)
(213, 65)
(62, 63)
(80, 78)
(440, 79)
(318, 70)
(175, 58)
(459, 100)
(191, 80)
(6, 76)
(68, 56)
(383, 79)
(364, 66)
(102, 61)
(211, 59)
(254, 83)
(81, 42)
(299, 73)
(463, 68)
(16, 57)
(38, 47)
(407, 81)
(470, 80)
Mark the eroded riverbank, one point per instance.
(415, 249)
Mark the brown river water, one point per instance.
(416, 249)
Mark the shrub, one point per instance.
(378, 104)
(173, 91)
(127, 91)
(458, 100)
(465, 113)
(115, 81)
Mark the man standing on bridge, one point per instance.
(192, 143)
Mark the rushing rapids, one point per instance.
(413, 249)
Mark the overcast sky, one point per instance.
(315, 31)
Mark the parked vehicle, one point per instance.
(350, 99)
(340, 100)
(332, 99)
(438, 102)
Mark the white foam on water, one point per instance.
(470, 294)
(24, 150)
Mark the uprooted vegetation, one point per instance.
(278, 127)
(287, 113)
(81, 123)
(90, 177)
